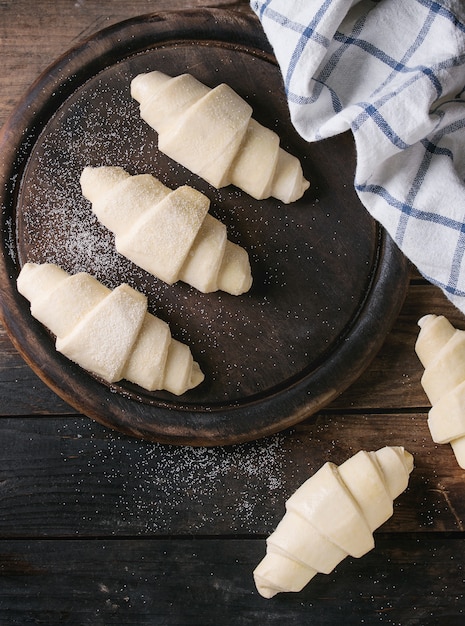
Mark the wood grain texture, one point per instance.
(32, 37)
(71, 477)
(208, 582)
(98, 529)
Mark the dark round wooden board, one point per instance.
(328, 281)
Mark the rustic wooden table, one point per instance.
(99, 528)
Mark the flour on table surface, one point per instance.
(151, 486)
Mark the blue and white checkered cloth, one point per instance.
(393, 72)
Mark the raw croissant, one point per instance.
(333, 514)
(168, 233)
(212, 133)
(441, 350)
(108, 332)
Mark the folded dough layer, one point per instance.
(331, 515)
(108, 332)
(169, 233)
(212, 133)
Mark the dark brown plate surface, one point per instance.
(328, 282)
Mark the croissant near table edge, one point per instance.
(441, 350)
(331, 515)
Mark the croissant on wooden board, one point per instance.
(108, 332)
(441, 350)
(169, 233)
(212, 133)
(331, 515)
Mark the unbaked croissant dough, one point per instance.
(108, 332)
(441, 350)
(168, 233)
(331, 515)
(212, 133)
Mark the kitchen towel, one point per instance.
(392, 72)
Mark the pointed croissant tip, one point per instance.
(425, 319)
(405, 456)
(264, 588)
(408, 460)
(136, 87)
(97, 180)
(143, 85)
(299, 191)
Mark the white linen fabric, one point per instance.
(392, 72)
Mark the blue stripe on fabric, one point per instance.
(332, 64)
(308, 34)
(321, 80)
(412, 194)
(362, 118)
(297, 27)
(434, 149)
(457, 260)
(303, 100)
(431, 149)
(424, 216)
(386, 59)
(455, 225)
(369, 110)
(443, 65)
(263, 10)
(260, 10)
(439, 9)
(368, 47)
(401, 66)
(445, 286)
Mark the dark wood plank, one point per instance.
(69, 477)
(392, 380)
(32, 35)
(206, 582)
(21, 390)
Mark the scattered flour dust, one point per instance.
(150, 487)
(248, 348)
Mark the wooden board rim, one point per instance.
(176, 423)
